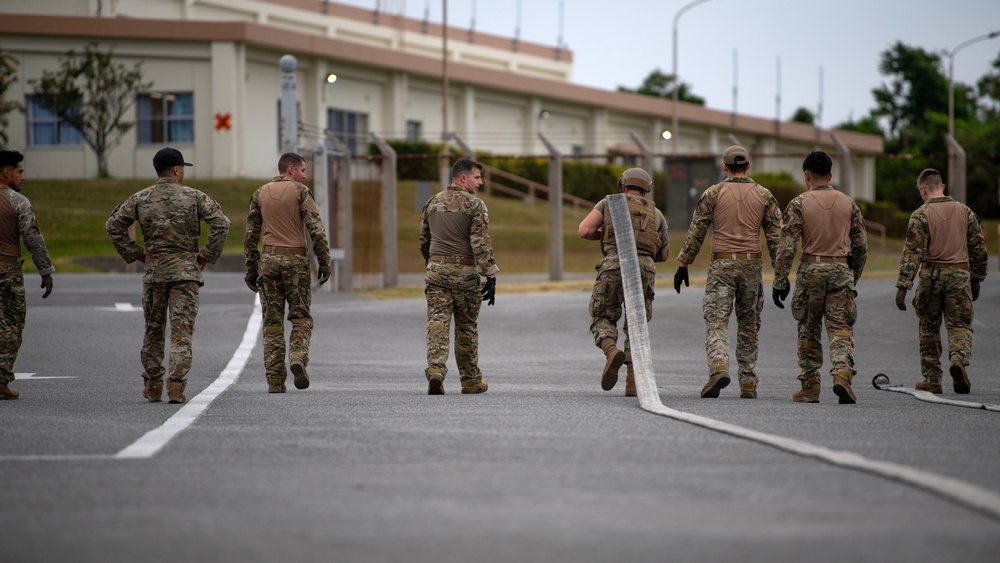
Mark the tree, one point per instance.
(660, 85)
(803, 115)
(91, 92)
(914, 103)
(8, 75)
(989, 88)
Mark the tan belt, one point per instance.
(736, 256)
(10, 259)
(284, 250)
(827, 259)
(453, 260)
(943, 266)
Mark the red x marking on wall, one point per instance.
(222, 121)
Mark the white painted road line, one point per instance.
(155, 440)
(23, 376)
(977, 498)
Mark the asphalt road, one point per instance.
(364, 466)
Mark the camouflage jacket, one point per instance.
(170, 215)
(791, 235)
(458, 200)
(702, 220)
(918, 240)
(22, 221)
(310, 218)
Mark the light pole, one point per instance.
(951, 104)
(677, 81)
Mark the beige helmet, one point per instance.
(636, 178)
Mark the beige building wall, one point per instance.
(500, 98)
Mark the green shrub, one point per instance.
(781, 185)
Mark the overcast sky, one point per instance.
(618, 42)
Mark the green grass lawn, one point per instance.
(72, 214)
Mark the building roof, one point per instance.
(299, 43)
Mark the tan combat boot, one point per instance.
(960, 379)
(842, 386)
(275, 385)
(152, 390)
(472, 386)
(8, 394)
(614, 361)
(629, 377)
(435, 383)
(930, 384)
(748, 386)
(298, 366)
(716, 382)
(809, 392)
(175, 392)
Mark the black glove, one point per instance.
(47, 285)
(490, 291)
(779, 295)
(681, 275)
(251, 279)
(324, 274)
(975, 290)
(850, 260)
(901, 299)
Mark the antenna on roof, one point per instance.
(562, 24)
(472, 24)
(378, 8)
(777, 102)
(517, 28)
(819, 109)
(427, 17)
(736, 82)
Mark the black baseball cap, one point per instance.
(168, 157)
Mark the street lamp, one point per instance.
(677, 81)
(951, 104)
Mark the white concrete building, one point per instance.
(215, 63)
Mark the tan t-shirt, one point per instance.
(947, 225)
(737, 217)
(826, 222)
(280, 214)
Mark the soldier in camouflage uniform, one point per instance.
(455, 244)
(170, 215)
(834, 251)
(650, 229)
(17, 221)
(284, 209)
(945, 242)
(736, 209)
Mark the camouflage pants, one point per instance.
(943, 293)
(824, 292)
(453, 290)
(608, 296)
(12, 313)
(284, 279)
(180, 299)
(733, 282)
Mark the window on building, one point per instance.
(577, 150)
(45, 129)
(414, 130)
(165, 117)
(350, 127)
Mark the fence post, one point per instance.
(555, 211)
(647, 162)
(956, 170)
(390, 238)
(323, 196)
(846, 167)
(344, 215)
